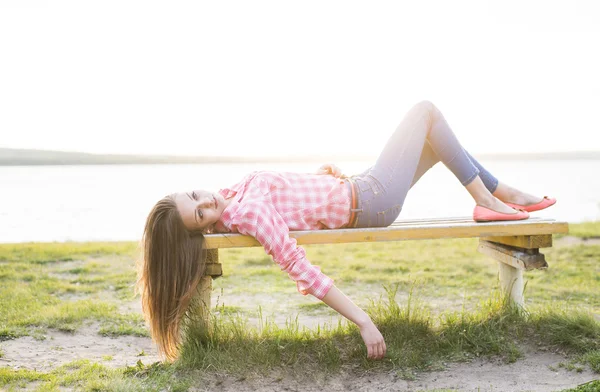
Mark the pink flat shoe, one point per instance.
(483, 214)
(545, 203)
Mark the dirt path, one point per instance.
(62, 347)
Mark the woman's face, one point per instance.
(200, 209)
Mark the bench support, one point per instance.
(513, 260)
(213, 271)
(511, 282)
(514, 255)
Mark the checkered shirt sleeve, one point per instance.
(262, 221)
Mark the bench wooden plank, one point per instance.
(526, 242)
(515, 258)
(459, 227)
(432, 220)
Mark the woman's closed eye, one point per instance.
(198, 211)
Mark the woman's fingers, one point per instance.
(377, 350)
(337, 171)
(327, 168)
(330, 168)
(373, 341)
(370, 352)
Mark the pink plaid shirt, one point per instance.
(267, 205)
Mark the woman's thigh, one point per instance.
(405, 158)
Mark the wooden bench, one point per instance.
(514, 245)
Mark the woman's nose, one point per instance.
(207, 201)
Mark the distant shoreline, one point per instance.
(26, 157)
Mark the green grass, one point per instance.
(585, 229)
(317, 306)
(43, 253)
(435, 301)
(592, 386)
(83, 375)
(416, 338)
(448, 273)
(416, 342)
(60, 285)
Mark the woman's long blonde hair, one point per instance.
(169, 271)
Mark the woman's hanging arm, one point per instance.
(373, 339)
(261, 221)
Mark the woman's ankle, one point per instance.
(508, 194)
(487, 202)
(480, 193)
(504, 192)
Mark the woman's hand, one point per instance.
(330, 168)
(373, 340)
(369, 332)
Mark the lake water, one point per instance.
(97, 203)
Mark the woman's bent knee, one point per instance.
(426, 106)
(425, 109)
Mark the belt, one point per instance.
(353, 203)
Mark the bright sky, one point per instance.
(280, 77)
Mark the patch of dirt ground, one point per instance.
(62, 347)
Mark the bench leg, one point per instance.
(203, 304)
(512, 261)
(511, 283)
(203, 298)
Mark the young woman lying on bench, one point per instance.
(267, 205)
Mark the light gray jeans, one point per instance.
(422, 139)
